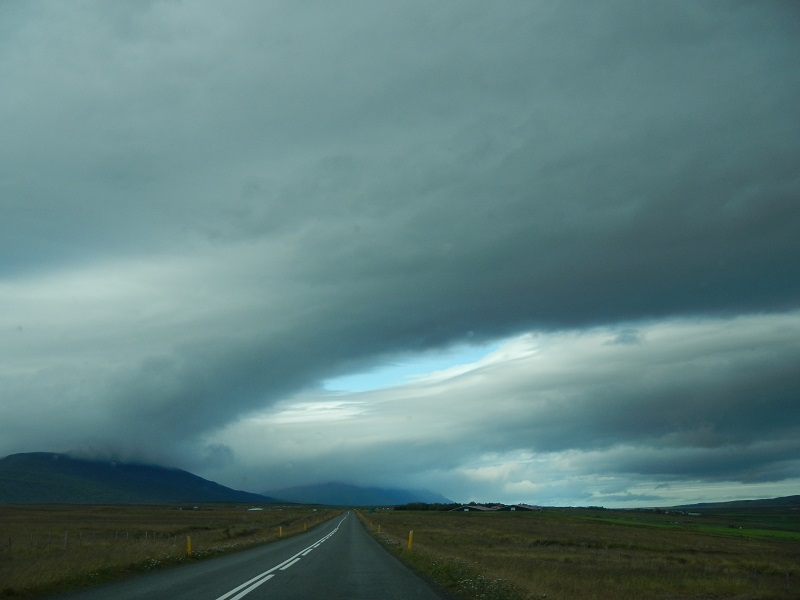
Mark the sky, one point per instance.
(513, 251)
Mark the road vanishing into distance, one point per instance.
(336, 560)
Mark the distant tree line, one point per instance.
(426, 506)
(442, 506)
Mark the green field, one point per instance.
(54, 548)
(601, 554)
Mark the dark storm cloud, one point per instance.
(209, 209)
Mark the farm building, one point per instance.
(516, 507)
(472, 508)
(495, 508)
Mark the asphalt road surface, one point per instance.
(336, 560)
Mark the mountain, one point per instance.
(782, 502)
(343, 494)
(46, 478)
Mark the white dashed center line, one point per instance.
(251, 584)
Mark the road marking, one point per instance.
(243, 589)
(252, 587)
(258, 578)
(284, 567)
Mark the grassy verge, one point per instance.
(46, 550)
(458, 577)
(567, 554)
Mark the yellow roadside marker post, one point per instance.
(188, 546)
(410, 539)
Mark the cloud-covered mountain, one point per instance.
(342, 494)
(44, 478)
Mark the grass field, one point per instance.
(54, 548)
(554, 554)
(601, 554)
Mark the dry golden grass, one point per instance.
(569, 554)
(49, 549)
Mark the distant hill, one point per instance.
(45, 478)
(343, 494)
(784, 501)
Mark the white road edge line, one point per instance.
(266, 575)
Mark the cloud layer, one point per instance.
(211, 210)
(686, 402)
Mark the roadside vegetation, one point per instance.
(563, 554)
(50, 549)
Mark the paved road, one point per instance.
(337, 560)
